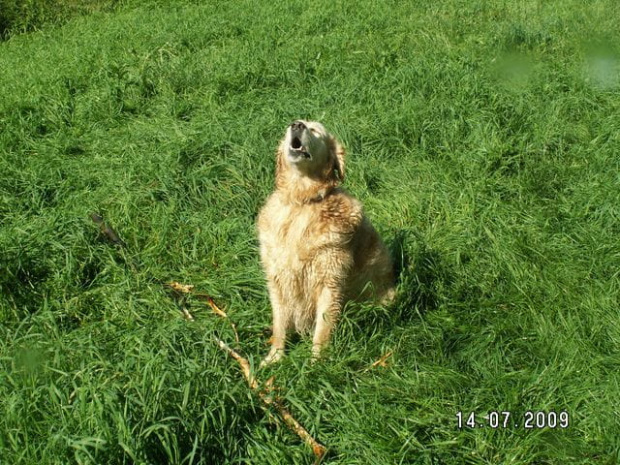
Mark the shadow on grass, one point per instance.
(421, 276)
(21, 281)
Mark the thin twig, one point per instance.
(187, 315)
(317, 448)
(106, 230)
(218, 311)
(181, 293)
(266, 393)
(182, 288)
(382, 362)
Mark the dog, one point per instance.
(317, 248)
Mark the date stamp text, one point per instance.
(502, 419)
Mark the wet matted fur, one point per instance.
(317, 247)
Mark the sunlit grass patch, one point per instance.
(482, 139)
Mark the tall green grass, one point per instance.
(19, 16)
(483, 140)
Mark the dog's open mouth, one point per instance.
(299, 149)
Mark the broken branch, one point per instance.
(265, 393)
(382, 362)
(106, 230)
(317, 448)
(218, 311)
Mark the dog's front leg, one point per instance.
(281, 322)
(328, 306)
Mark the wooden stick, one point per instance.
(106, 230)
(218, 311)
(317, 448)
(181, 288)
(180, 293)
(188, 289)
(265, 394)
(187, 315)
(383, 360)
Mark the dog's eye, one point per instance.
(315, 131)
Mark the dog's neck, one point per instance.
(304, 190)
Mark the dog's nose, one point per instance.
(298, 126)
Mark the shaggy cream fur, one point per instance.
(317, 248)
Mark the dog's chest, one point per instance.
(288, 234)
(294, 239)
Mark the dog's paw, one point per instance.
(388, 296)
(317, 353)
(274, 355)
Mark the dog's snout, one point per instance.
(298, 126)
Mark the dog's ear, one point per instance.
(338, 153)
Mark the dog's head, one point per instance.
(309, 150)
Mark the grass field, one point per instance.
(483, 138)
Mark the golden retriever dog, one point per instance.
(317, 248)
